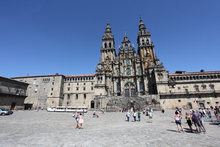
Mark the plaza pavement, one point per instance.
(54, 129)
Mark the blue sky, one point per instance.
(39, 37)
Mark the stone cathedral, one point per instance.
(128, 73)
(126, 77)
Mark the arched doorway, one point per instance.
(130, 89)
(92, 104)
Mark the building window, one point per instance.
(92, 83)
(127, 62)
(84, 88)
(51, 94)
(91, 88)
(203, 87)
(208, 103)
(141, 86)
(77, 83)
(139, 71)
(212, 86)
(46, 80)
(77, 88)
(196, 88)
(52, 83)
(128, 71)
(179, 101)
(68, 84)
(187, 91)
(68, 88)
(51, 89)
(84, 83)
(68, 96)
(77, 96)
(84, 96)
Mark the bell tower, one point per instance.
(145, 46)
(108, 45)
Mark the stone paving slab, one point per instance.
(56, 129)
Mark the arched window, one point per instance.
(128, 71)
(105, 45)
(110, 45)
(147, 41)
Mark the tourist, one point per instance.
(128, 114)
(150, 113)
(196, 121)
(178, 122)
(77, 120)
(81, 120)
(216, 112)
(134, 115)
(177, 111)
(147, 110)
(139, 116)
(189, 122)
(209, 114)
(94, 114)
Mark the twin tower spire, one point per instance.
(108, 43)
(108, 37)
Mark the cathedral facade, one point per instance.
(125, 78)
(128, 73)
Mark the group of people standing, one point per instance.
(137, 114)
(193, 117)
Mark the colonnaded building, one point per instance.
(125, 78)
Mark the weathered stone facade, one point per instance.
(131, 77)
(12, 93)
(191, 90)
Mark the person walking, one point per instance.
(134, 115)
(178, 122)
(209, 114)
(189, 122)
(128, 114)
(196, 121)
(150, 113)
(77, 120)
(81, 121)
(139, 116)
